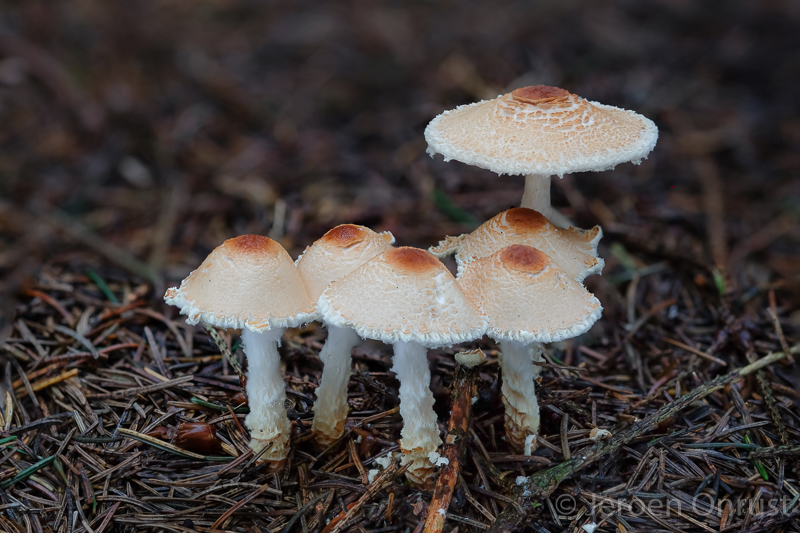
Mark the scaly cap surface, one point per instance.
(404, 294)
(573, 249)
(337, 253)
(527, 297)
(541, 130)
(246, 282)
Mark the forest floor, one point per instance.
(139, 136)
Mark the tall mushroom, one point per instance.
(539, 132)
(251, 283)
(336, 254)
(408, 298)
(529, 300)
(573, 249)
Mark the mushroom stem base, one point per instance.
(330, 409)
(267, 421)
(537, 197)
(519, 394)
(420, 435)
(421, 471)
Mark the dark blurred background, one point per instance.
(137, 136)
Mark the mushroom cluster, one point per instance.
(521, 267)
(519, 280)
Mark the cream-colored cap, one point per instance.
(541, 130)
(573, 249)
(246, 282)
(404, 294)
(337, 253)
(527, 297)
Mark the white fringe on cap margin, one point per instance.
(429, 340)
(194, 315)
(595, 162)
(545, 337)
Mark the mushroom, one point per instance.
(529, 300)
(251, 283)
(336, 254)
(573, 249)
(408, 298)
(539, 132)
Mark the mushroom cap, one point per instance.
(247, 282)
(573, 249)
(541, 130)
(337, 253)
(404, 294)
(527, 297)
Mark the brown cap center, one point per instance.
(251, 244)
(412, 259)
(344, 235)
(538, 94)
(523, 218)
(525, 258)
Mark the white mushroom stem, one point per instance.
(420, 435)
(267, 421)
(537, 194)
(330, 409)
(519, 394)
(537, 197)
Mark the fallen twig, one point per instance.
(463, 391)
(128, 393)
(226, 353)
(383, 479)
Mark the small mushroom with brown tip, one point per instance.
(251, 283)
(529, 300)
(539, 132)
(334, 255)
(573, 249)
(406, 297)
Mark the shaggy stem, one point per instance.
(420, 435)
(330, 409)
(266, 395)
(537, 197)
(519, 394)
